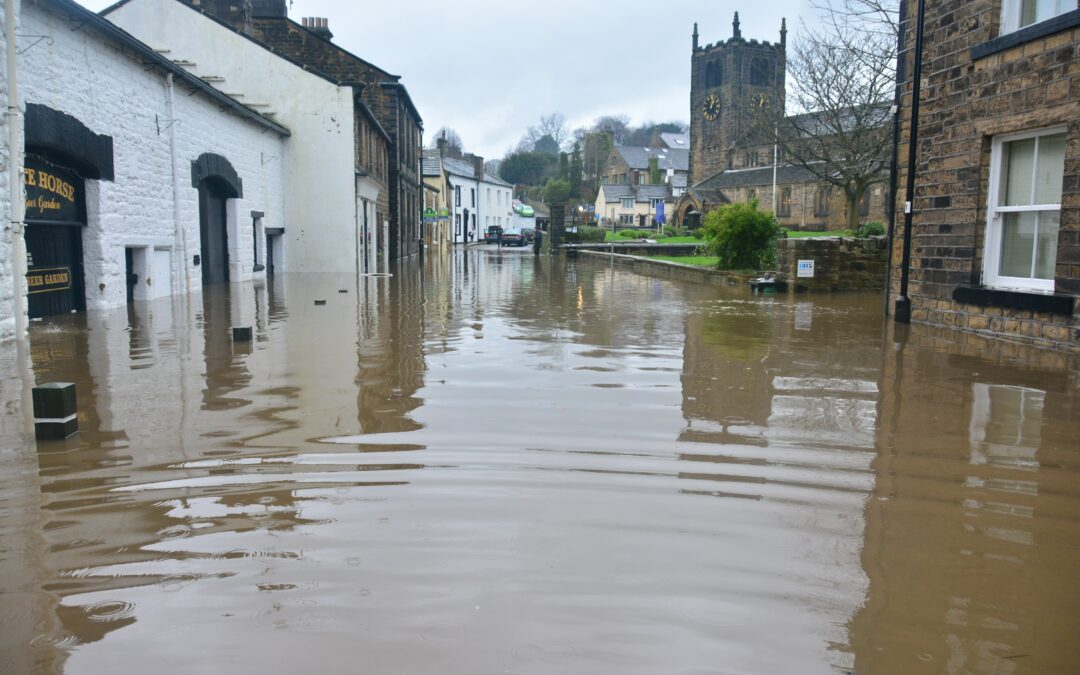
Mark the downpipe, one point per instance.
(15, 181)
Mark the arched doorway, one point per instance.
(213, 231)
(217, 182)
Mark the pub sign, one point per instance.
(54, 195)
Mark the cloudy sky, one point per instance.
(489, 69)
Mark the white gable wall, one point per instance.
(319, 159)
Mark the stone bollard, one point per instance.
(241, 334)
(55, 411)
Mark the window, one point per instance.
(784, 207)
(457, 195)
(821, 201)
(760, 72)
(489, 196)
(1016, 14)
(472, 196)
(626, 219)
(1026, 176)
(628, 202)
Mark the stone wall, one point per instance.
(840, 264)
(977, 84)
(673, 270)
(83, 74)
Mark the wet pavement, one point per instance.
(495, 463)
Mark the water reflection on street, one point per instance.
(498, 463)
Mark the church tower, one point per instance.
(728, 81)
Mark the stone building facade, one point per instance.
(140, 180)
(730, 162)
(995, 238)
(727, 80)
(311, 46)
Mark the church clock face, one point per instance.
(712, 107)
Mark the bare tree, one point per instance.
(453, 141)
(842, 79)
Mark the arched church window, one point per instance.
(760, 72)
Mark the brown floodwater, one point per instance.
(495, 463)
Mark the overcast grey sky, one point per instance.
(490, 69)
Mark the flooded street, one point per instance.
(495, 463)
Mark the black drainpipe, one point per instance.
(898, 93)
(902, 313)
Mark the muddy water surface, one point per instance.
(501, 464)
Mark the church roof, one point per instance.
(730, 178)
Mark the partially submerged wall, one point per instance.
(839, 264)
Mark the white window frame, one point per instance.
(995, 216)
(1010, 14)
(624, 200)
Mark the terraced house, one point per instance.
(310, 45)
(995, 236)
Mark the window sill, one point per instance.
(1026, 34)
(1027, 301)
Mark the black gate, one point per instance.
(212, 232)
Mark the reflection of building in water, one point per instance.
(971, 531)
(768, 373)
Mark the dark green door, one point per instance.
(54, 275)
(212, 232)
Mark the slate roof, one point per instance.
(676, 141)
(786, 174)
(458, 167)
(495, 180)
(463, 169)
(615, 192)
(638, 157)
(432, 162)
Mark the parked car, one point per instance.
(493, 234)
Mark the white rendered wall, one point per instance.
(81, 74)
(477, 209)
(319, 159)
(7, 283)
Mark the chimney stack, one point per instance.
(318, 25)
(441, 143)
(478, 165)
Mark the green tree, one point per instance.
(742, 236)
(527, 168)
(654, 171)
(546, 145)
(575, 171)
(564, 166)
(557, 191)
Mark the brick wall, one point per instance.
(966, 101)
(840, 264)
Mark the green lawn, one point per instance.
(793, 234)
(660, 240)
(699, 260)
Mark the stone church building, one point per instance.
(729, 164)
